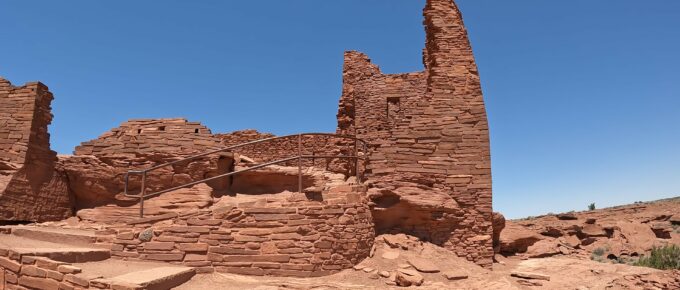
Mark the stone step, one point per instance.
(58, 235)
(158, 278)
(136, 274)
(18, 247)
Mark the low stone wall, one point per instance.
(29, 272)
(288, 147)
(292, 236)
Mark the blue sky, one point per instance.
(583, 96)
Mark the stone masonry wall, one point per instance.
(283, 237)
(429, 167)
(22, 272)
(30, 187)
(288, 147)
(151, 136)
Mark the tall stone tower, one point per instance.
(430, 166)
(31, 189)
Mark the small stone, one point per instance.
(368, 269)
(384, 274)
(529, 283)
(146, 235)
(358, 267)
(455, 275)
(407, 277)
(529, 275)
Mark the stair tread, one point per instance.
(141, 273)
(21, 244)
(153, 276)
(52, 250)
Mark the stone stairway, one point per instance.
(55, 258)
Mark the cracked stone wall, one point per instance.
(429, 171)
(30, 187)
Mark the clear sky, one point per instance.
(583, 96)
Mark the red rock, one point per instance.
(516, 239)
(31, 186)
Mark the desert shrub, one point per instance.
(598, 255)
(599, 251)
(663, 258)
(591, 206)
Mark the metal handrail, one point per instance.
(142, 194)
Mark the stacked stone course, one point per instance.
(288, 147)
(283, 237)
(30, 187)
(152, 136)
(429, 138)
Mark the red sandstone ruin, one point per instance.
(427, 173)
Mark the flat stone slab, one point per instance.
(530, 275)
(455, 275)
(390, 255)
(64, 236)
(54, 251)
(423, 265)
(156, 278)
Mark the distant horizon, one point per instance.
(582, 96)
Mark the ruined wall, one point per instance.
(151, 136)
(288, 147)
(290, 236)
(30, 187)
(96, 172)
(430, 163)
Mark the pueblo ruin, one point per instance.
(410, 156)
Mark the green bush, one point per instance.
(591, 206)
(663, 258)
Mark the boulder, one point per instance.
(407, 277)
(567, 216)
(571, 241)
(675, 219)
(590, 230)
(517, 239)
(498, 226)
(544, 248)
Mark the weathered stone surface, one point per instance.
(516, 239)
(423, 265)
(455, 275)
(31, 188)
(429, 140)
(529, 275)
(567, 216)
(406, 278)
(498, 226)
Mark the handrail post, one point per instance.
(142, 193)
(356, 159)
(300, 163)
(127, 180)
(365, 159)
